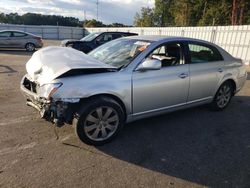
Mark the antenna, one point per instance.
(97, 7)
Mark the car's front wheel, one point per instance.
(100, 120)
(223, 96)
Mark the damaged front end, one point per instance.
(57, 111)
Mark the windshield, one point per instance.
(90, 37)
(119, 53)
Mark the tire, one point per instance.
(30, 47)
(223, 97)
(99, 121)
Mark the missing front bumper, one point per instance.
(57, 112)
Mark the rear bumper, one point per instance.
(240, 82)
(57, 112)
(39, 45)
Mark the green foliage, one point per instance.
(191, 13)
(163, 12)
(39, 19)
(145, 19)
(95, 23)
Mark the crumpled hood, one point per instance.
(49, 63)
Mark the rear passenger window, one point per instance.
(104, 38)
(202, 53)
(18, 34)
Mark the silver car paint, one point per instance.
(149, 93)
(18, 42)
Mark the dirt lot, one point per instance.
(190, 148)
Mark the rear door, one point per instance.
(5, 40)
(19, 39)
(206, 68)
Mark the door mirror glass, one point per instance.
(150, 64)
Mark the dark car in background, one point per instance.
(94, 40)
(20, 39)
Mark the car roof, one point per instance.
(162, 37)
(13, 31)
(118, 32)
(18, 31)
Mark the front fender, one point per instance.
(80, 87)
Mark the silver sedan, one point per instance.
(128, 79)
(20, 39)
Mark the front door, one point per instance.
(155, 90)
(5, 40)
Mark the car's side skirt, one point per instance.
(155, 112)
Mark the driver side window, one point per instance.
(104, 38)
(170, 54)
(5, 34)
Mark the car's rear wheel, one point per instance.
(223, 96)
(100, 121)
(30, 47)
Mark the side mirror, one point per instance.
(149, 64)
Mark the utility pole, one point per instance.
(97, 7)
(84, 18)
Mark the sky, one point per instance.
(110, 11)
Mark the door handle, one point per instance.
(183, 75)
(220, 70)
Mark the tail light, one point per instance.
(38, 38)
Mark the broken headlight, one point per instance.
(48, 90)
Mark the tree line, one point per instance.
(194, 13)
(40, 19)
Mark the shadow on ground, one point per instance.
(4, 69)
(198, 145)
(15, 52)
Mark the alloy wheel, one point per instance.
(101, 123)
(224, 96)
(30, 47)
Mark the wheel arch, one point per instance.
(29, 42)
(231, 81)
(107, 95)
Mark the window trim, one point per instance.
(201, 44)
(183, 48)
(13, 34)
(6, 32)
(102, 35)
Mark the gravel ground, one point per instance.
(189, 148)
